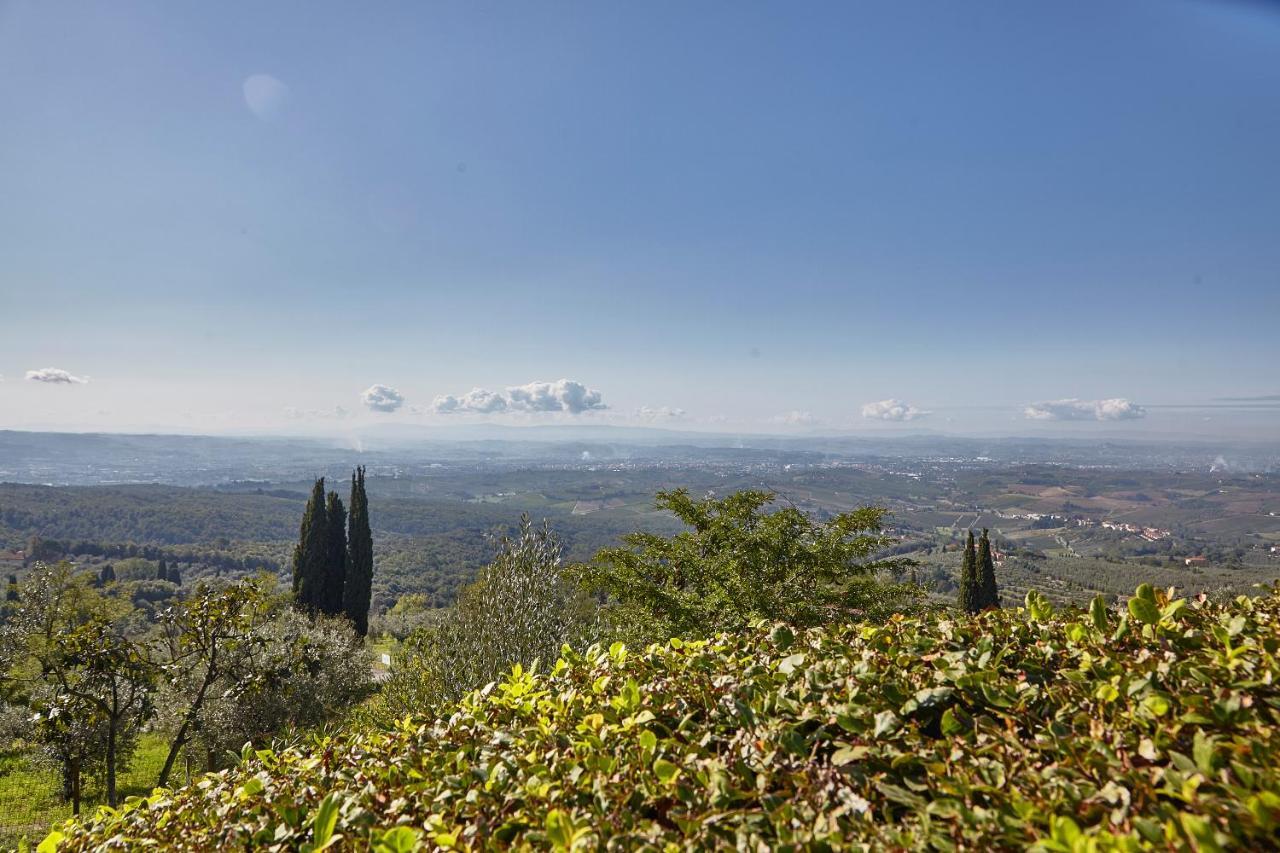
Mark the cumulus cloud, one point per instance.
(56, 376)
(892, 410)
(796, 418)
(565, 395)
(477, 400)
(382, 398)
(660, 413)
(1113, 409)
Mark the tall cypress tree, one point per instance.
(311, 552)
(359, 581)
(11, 593)
(335, 569)
(970, 595)
(162, 571)
(988, 592)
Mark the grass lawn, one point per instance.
(30, 801)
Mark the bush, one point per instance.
(1019, 728)
(522, 609)
(737, 563)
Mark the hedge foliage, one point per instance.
(1151, 727)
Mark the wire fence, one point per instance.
(31, 795)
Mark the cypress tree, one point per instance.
(335, 569)
(359, 581)
(309, 555)
(162, 571)
(107, 575)
(11, 594)
(988, 592)
(174, 575)
(970, 600)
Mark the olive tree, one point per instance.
(521, 609)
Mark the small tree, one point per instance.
(207, 636)
(162, 570)
(335, 569)
(101, 681)
(11, 592)
(970, 595)
(358, 584)
(107, 575)
(522, 609)
(738, 563)
(298, 672)
(311, 553)
(175, 577)
(988, 592)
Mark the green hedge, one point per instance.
(1075, 730)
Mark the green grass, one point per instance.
(30, 792)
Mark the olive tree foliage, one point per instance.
(206, 637)
(243, 666)
(522, 609)
(100, 694)
(298, 673)
(739, 563)
(87, 685)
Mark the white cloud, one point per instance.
(477, 400)
(382, 398)
(56, 376)
(796, 418)
(1113, 409)
(565, 395)
(892, 410)
(660, 413)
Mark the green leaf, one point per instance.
(648, 741)
(952, 724)
(325, 819)
(398, 839)
(1144, 609)
(1098, 613)
(51, 842)
(665, 770)
(1146, 592)
(789, 664)
(886, 721)
(1040, 608)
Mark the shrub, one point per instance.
(737, 563)
(521, 609)
(1154, 726)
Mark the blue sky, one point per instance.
(241, 215)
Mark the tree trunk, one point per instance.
(180, 739)
(175, 746)
(68, 785)
(111, 763)
(74, 767)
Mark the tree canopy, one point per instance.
(738, 562)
